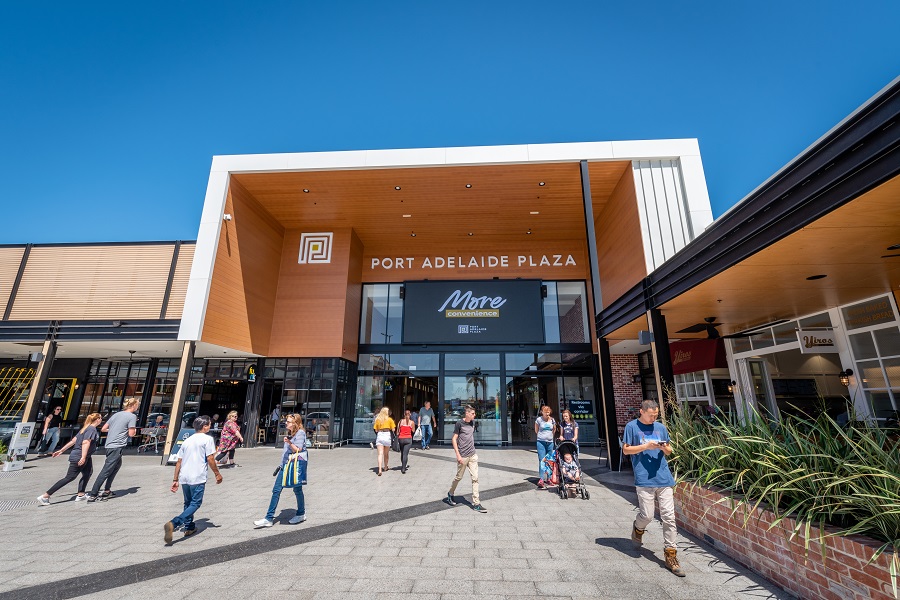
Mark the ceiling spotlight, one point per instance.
(305, 190)
(468, 185)
(814, 277)
(470, 233)
(535, 212)
(894, 247)
(397, 187)
(406, 216)
(528, 232)
(541, 184)
(413, 234)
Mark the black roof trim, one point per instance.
(860, 153)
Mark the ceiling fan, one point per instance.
(709, 326)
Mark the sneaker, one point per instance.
(449, 499)
(297, 519)
(90, 498)
(479, 508)
(80, 498)
(168, 529)
(189, 532)
(637, 536)
(263, 523)
(106, 495)
(43, 501)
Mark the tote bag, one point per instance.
(294, 472)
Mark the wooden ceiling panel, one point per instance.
(849, 246)
(497, 206)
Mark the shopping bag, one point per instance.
(417, 436)
(294, 472)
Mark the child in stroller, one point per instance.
(571, 477)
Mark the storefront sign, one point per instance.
(473, 312)
(18, 447)
(388, 263)
(816, 341)
(866, 314)
(689, 356)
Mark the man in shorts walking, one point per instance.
(464, 445)
(646, 440)
(120, 428)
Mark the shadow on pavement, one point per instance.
(625, 547)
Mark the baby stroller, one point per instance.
(563, 448)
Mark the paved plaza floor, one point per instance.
(365, 536)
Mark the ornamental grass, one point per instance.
(810, 469)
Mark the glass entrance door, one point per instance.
(483, 392)
(526, 395)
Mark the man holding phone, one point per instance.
(646, 440)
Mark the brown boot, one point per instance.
(672, 562)
(637, 536)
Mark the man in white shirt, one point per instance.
(196, 454)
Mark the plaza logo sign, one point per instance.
(473, 312)
(315, 248)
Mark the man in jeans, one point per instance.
(647, 442)
(196, 454)
(120, 428)
(426, 420)
(464, 445)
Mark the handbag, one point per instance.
(395, 442)
(294, 472)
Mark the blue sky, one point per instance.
(110, 112)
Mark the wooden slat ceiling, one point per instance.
(847, 245)
(496, 207)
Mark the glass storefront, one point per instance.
(507, 388)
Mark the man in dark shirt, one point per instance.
(464, 445)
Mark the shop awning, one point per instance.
(697, 355)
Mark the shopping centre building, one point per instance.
(583, 276)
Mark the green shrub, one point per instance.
(810, 469)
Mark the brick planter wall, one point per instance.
(845, 575)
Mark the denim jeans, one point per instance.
(49, 441)
(543, 448)
(193, 498)
(426, 435)
(276, 494)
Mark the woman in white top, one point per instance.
(544, 428)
